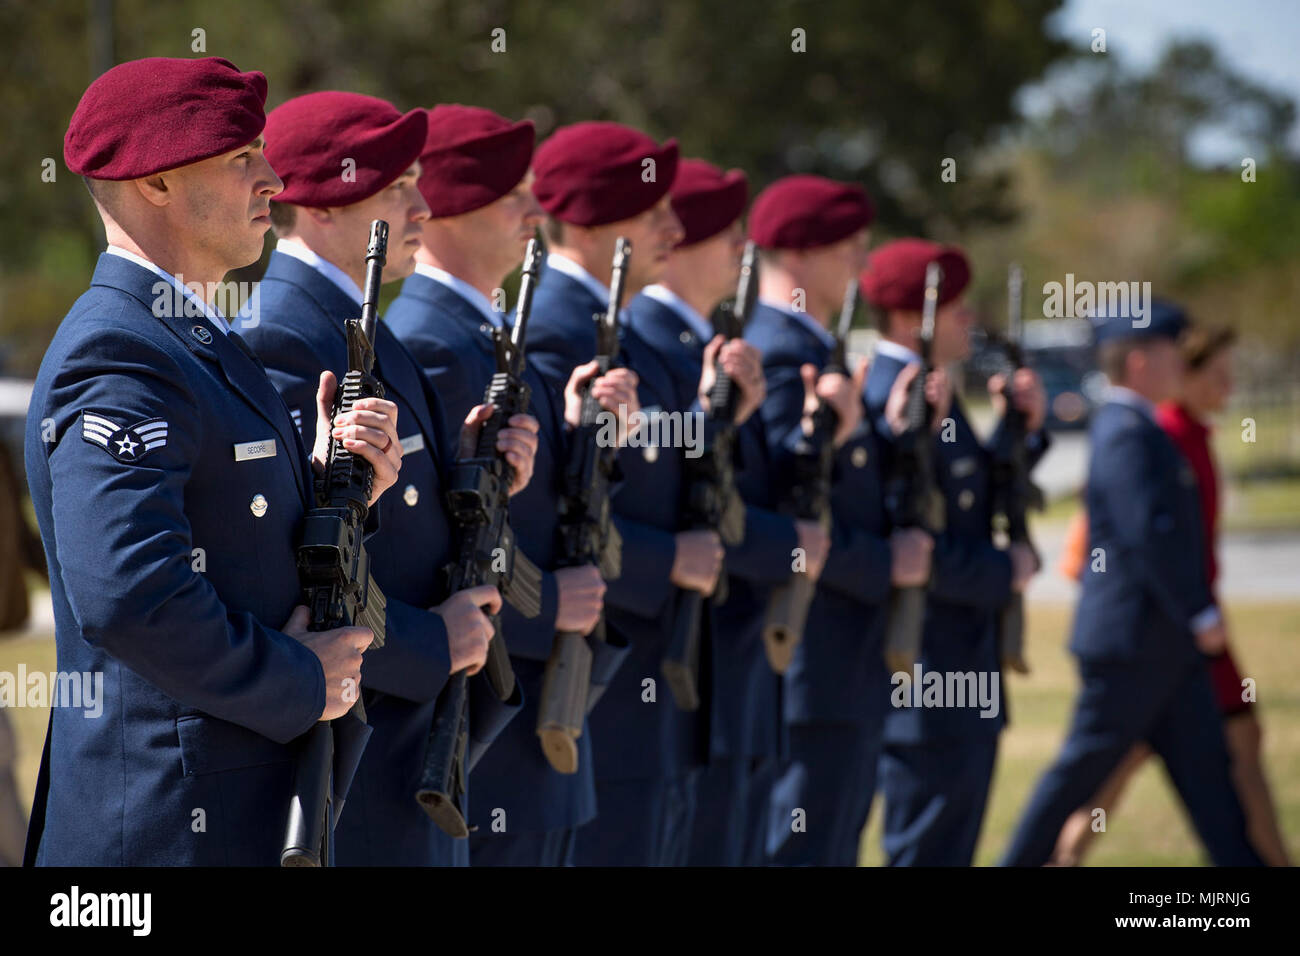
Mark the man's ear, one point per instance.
(1135, 363)
(319, 216)
(155, 189)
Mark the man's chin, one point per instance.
(400, 264)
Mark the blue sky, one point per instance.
(1259, 38)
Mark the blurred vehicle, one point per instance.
(1062, 353)
(15, 393)
(1071, 393)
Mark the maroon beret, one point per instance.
(310, 138)
(895, 273)
(471, 157)
(803, 212)
(589, 174)
(706, 199)
(150, 115)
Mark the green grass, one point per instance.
(1262, 505)
(1149, 827)
(29, 723)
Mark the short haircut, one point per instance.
(1113, 357)
(879, 317)
(283, 216)
(554, 230)
(103, 192)
(1202, 343)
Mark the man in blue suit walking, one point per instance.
(814, 234)
(1146, 614)
(169, 483)
(475, 179)
(310, 289)
(939, 754)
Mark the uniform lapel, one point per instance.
(397, 370)
(393, 364)
(241, 369)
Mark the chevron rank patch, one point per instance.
(296, 415)
(126, 443)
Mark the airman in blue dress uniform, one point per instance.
(938, 761)
(1146, 614)
(475, 179)
(731, 792)
(169, 483)
(813, 233)
(596, 182)
(311, 288)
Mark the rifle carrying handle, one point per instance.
(563, 705)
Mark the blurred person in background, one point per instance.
(1207, 386)
(20, 550)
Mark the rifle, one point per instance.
(711, 500)
(478, 497)
(334, 570)
(587, 535)
(912, 496)
(810, 500)
(1013, 490)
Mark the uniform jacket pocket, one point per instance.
(210, 745)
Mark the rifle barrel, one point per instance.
(376, 258)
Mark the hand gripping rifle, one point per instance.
(810, 500)
(478, 498)
(711, 500)
(912, 496)
(587, 535)
(1013, 490)
(334, 569)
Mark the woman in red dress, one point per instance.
(1207, 385)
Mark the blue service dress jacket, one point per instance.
(1139, 589)
(172, 565)
(745, 715)
(636, 737)
(971, 576)
(452, 341)
(299, 331)
(838, 672)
